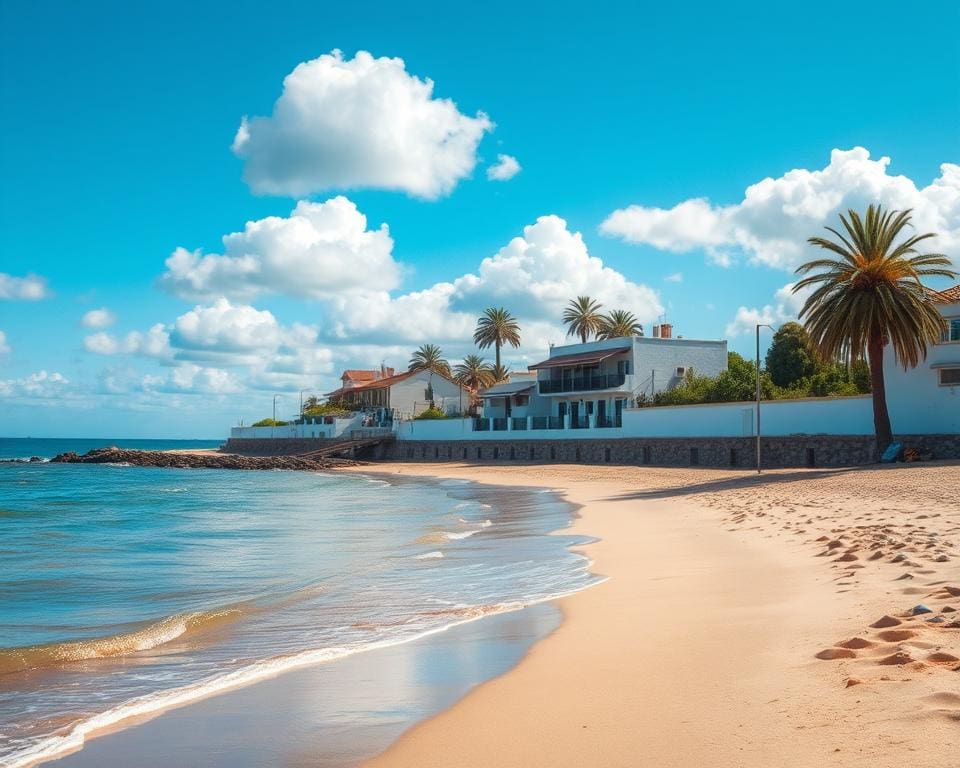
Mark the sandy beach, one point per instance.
(702, 647)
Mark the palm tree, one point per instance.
(429, 357)
(496, 327)
(582, 317)
(872, 296)
(474, 373)
(619, 323)
(500, 373)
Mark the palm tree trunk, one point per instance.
(881, 416)
(497, 346)
(583, 336)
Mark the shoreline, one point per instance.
(719, 667)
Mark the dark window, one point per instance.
(952, 332)
(949, 377)
(479, 452)
(733, 457)
(646, 454)
(811, 457)
(606, 455)
(513, 453)
(576, 455)
(496, 453)
(553, 453)
(436, 452)
(464, 453)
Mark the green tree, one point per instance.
(619, 323)
(872, 296)
(474, 373)
(791, 356)
(429, 357)
(496, 327)
(582, 318)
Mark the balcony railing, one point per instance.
(581, 383)
(519, 422)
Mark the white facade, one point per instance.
(331, 428)
(920, 400)
(410, 396)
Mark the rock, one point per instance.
(919, 609)
(936, 620)
(198, 460)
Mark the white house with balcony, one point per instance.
(926, 399)
(583, 386)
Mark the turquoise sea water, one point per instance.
(124, 590)
(48, 447)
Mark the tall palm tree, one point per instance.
(496, 327)
(429, 357)
(582, 317)
(474, 373)
(619, 323)
(871, 296)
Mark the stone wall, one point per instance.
(800, 451)
(279, 446)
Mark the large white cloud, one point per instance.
(354, 123)
(98, 318)
(321, 250)
(193, 379)
(29, 288)
(771, 224)
(534, 276)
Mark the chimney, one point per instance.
(656, 331)
(666, 331)
(383, 370)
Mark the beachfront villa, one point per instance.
(386, 395)
(589, 385)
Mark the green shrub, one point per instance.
(431, 413)
(270, 423)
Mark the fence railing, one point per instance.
(582, 383)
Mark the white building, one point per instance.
(591, 384)
(926, 399)
(401, 396)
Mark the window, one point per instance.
(949, 377)
(521, 399)
(681, 371)
(952, 332)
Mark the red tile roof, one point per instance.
(381, 383)
(948, 295)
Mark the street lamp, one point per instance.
(759, 326)
(274, 425)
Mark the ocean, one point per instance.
(127, 590)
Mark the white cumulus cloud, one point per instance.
(504, 169)
(98, 318)
(40, 385)
(321, 250)
(29, 288)
(786, 306)
(359, 123)
(771, 224)
(534, 276)
(152, 343)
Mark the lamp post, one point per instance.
(759, 326)
(274, 425)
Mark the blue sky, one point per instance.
(638, 128)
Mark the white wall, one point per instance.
(833, 416)
(336, 429)
(655, 361)
(915, 399)
(408, 397)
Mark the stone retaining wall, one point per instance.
(799, 451)
(277, 446)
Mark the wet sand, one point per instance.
(702, 647)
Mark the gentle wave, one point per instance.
(151, 636)
(52, 746)
(428, 555)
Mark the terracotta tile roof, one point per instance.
(357, 375)
(381, 383)
(948, 295)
